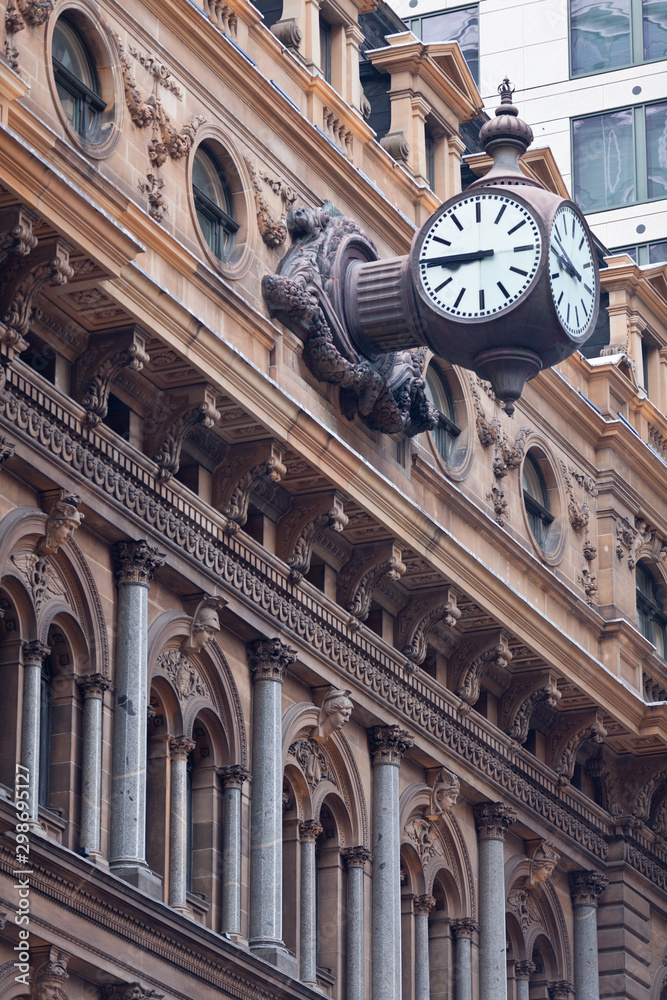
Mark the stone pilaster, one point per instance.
(522, 973)
(135, 564)
(585, 890)
(355, 859)
(232, 777)
(268, 660)
(422, 906)
(492, 820)
(309, 831)
(388, 745)
(34, 654)
(462, 931)
(92, 687)
(180, 749)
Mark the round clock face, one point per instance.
(572, 273)
(479, 257)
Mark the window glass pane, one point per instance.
(437, 393)
(656, 150)
(533, 482)
(206, 179)
(460, 25)
(603, 152)
(325, 49)
(69, 51)
(658, 253)
(600, 35)
(655, 29)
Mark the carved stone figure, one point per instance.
(205, 624)
(334, 714)
(542, 863)
(64, 519)
(444, 794)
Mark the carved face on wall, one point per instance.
(335, 713)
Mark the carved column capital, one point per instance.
(129, 991)
(233, 775)
(423, 905)
(309, 831)
(463, 927)
(34, 653)
(389, 743)
(269, 658)
(136, 562)
(524, 970)
(560, 990)
(492, 819)
(586, 886)
(180, 747)
(93, 685)
(356, 857)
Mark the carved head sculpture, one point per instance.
(444, 794)
(542, 863)
(303, 222)
(63, 519)
(205, 623)
(334, 714)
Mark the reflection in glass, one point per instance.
(658, 253)
(536, 500)
(650, 616)
(76, 79)
(656, 149)
(655, 29)
(600, 34)
(604, 158)
(445, 434)
(213, 202)
(460, 25)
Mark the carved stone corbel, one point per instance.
(307, 516)
(7, 448)
(519, 703)
(491, 649)
(23, 280)
(235, 479)
(565, 741)
(16, 235)
(361, 576)
(107, 353)
(419, 618)
(185, 409)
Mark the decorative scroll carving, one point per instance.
(136, 562)
(236, 478)
(171, 142)
(363, 573)
(586, 886)
(152, 188)
(389, 743)
(523, 907)
(493, 819)
(142, 112)
(419, 618)
(16, 235)
(288, 32)
(62, 522)
(273, 233)
(519, 703)
(388, 393)
(313, 761)
(567, 738)
(269, 658)
(444, 794)
(509, 456)
(335, 713)
(197, 405)
(487, 430)
(22, 282)
(308, 516)
(40, 577)
(157, 70)
(183, 674)
(107, 354)
(474, 659)
(625, 536)
(421, 834)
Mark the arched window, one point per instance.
(536, 500)
(213, 203)
(76, 78)
(651, 619)
(447, 431)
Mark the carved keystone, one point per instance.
(369, 565)
(489, 650)
(242, 469)
(106, 354)
(520, 701)
(419, 618)
(182, 410)
(573, 730)
(23, 280)
(307, 516)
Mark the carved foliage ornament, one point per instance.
(41, 578)
(389, 743)
(269, 658)
(183, 674)
(313, 761)
(422, 835)
(388, 392)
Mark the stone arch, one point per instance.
(412, 874)
(537, 911)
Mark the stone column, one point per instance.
(585, 889)
(232, 777)
(33, 656)
(309, 831)
(462, 931)
(355, 858)
(92, 688)
(422, 906)
(267, 659)
(179, 750)
(387, 748)
(492, 820)
(522, 973)
(135, 564)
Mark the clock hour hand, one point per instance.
(454, 259)
(565, 261)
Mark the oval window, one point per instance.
(536, 501)
(445, 434)
(77, 81)
(213, 204)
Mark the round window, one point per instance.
(213, 203)
(76, 78)
(536, 501)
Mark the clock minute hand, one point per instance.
(569, 266)
(454, 259)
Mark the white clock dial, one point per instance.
(572, 274)
(480, 255)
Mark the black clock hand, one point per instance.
(567, 263)
(454, 259)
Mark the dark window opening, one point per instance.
(76, 79)
(213, 203)
(536, 500)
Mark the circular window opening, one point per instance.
(447, 431)
(536, 501)
(77, 80)
(213, 203)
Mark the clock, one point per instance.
(480, 255)
(573, 276)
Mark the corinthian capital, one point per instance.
(493, 819)
(309, 831)
(93, 685)
(423, 905)
(180, 747)
(524, 970)
(34, 652)
(585, 887)
(463, 927)
(356, 857)
(233, 775)
(389, 743)
(269, 658)
(136, 562)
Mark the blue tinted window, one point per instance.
(604, 161)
